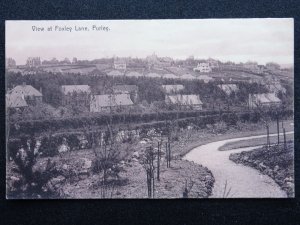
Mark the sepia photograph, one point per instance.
(149, 109)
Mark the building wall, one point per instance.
(203, 68)
(82, 99)
(120, 66)
(33, 100)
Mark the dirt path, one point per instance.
(244, 182)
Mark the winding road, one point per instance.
(242, 181)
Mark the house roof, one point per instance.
(69, 89)
(125, 88)
(266, 98)
(134, 74)
(204, 77)
(153, 75)
(115, 73)
(172, 88)
(26, 90)
(15, 101)
(185, 99)
(170, 76)
(228, 88)
(111, 100)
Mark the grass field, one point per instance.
(255, 142)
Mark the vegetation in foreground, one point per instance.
(276, 161)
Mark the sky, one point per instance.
(237, 40)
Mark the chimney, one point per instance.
(24, 84)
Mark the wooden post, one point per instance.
(167, 155)
(169, 147)
(158, 160)
(278, 140)
(268, 140)
(285, 146)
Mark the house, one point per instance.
(15, 101)
(132, 90)
(172, 89)
(31, 95)
(203, 68)
(162, 62)
(134, 74)
(119, 64)
(75, 94)
(265, 100)
(115, 73)
(33, 61)
(229, 88)
(184, 101)
(111, 102)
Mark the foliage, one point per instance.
(34, 178)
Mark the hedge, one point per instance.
(54, 125)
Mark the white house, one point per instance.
(203, 68)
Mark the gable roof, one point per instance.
(228, 88)
(266, 98)
(125, 88)
(115, 73)
(15, 101)
(170, 76)
(185, 99)
(153, 75)
(172, 88)
(111, 100)
(69, 89)
(134, 74)
(26, 90)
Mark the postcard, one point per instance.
(126, 109)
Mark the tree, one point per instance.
(34, 179)
(148, 164)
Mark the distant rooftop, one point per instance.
(26, 90)
(185, 99)
(125, 88)
(172, 88)
(111, 100)
(69, 89)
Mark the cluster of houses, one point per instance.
(120, 97)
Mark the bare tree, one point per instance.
(148, 164)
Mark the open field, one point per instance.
(255, 142)
(190, 139)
